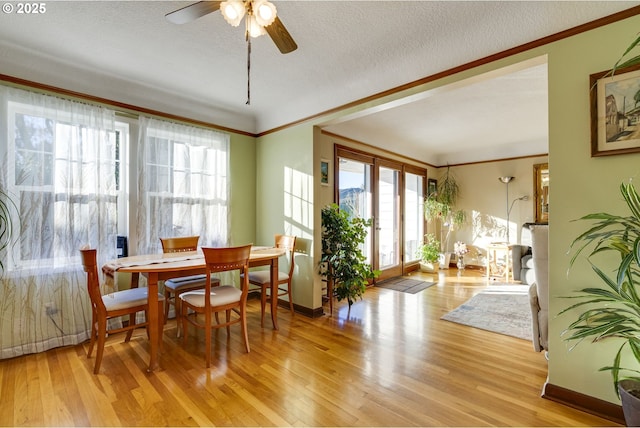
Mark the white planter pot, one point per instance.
(445, 258)
(429, 267)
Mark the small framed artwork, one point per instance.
(324, 172)
(432, 186)
(615, 115)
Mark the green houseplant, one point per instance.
(612, 311)
(429, 253)
(342, 261)
(630, 62)
(440, 207)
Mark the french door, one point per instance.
(387, 219)
(413, 214)
(387, 192)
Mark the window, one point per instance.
(67, 169)
(183, 171)
(61, 171)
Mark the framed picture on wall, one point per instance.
(615, 113)
(324, 172)
(432, 186)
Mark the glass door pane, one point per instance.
(388, 222)
(392, 194)
(354, 185)
(413, 215)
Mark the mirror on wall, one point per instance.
(541, 192)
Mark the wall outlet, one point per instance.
(50, 309)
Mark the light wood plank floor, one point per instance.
(390, 361)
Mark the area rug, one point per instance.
(502, 309)
(405, 285)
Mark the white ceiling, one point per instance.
(347, 51)
(499, 115)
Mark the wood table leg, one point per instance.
(274, 292)
(135, 279)
(155, 335)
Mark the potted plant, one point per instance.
(613, 311)
(342, 262)
(440, 207)
(429, 253)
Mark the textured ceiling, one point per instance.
(498, 115)
(348, 50)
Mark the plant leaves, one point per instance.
(613, 309)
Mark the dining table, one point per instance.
(160, 267)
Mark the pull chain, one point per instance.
(248, 70)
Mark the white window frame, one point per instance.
(15, 262)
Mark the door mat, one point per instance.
(405, 285)
(501, 309)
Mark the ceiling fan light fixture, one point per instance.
(233, 11)
(253, 28)
(259, 14)
(264, 11)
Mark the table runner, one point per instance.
(112, 266)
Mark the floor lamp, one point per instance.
(506, 180)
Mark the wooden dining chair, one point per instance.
(262, 278)
(225, 298)
(175, 286)
(116, 304)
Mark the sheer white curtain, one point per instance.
(60, 168)
(183, 184)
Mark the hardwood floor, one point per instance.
(390, 361)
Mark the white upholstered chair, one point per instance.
(521, 257)
(539, 290)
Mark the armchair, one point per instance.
(539, 290)
(522, 259)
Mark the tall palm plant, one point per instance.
(624, 61)
(612, 311)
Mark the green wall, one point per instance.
(284, 199)
(580, 185)
(242, 165)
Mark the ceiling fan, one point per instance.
(260, 17)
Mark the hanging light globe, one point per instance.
(264, 11)
(233, 11)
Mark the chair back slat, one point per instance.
(179, 244)
(287, 242)
(90, 265)
(228, 259)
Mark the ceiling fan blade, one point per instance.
(192, 12)
(281, 36)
